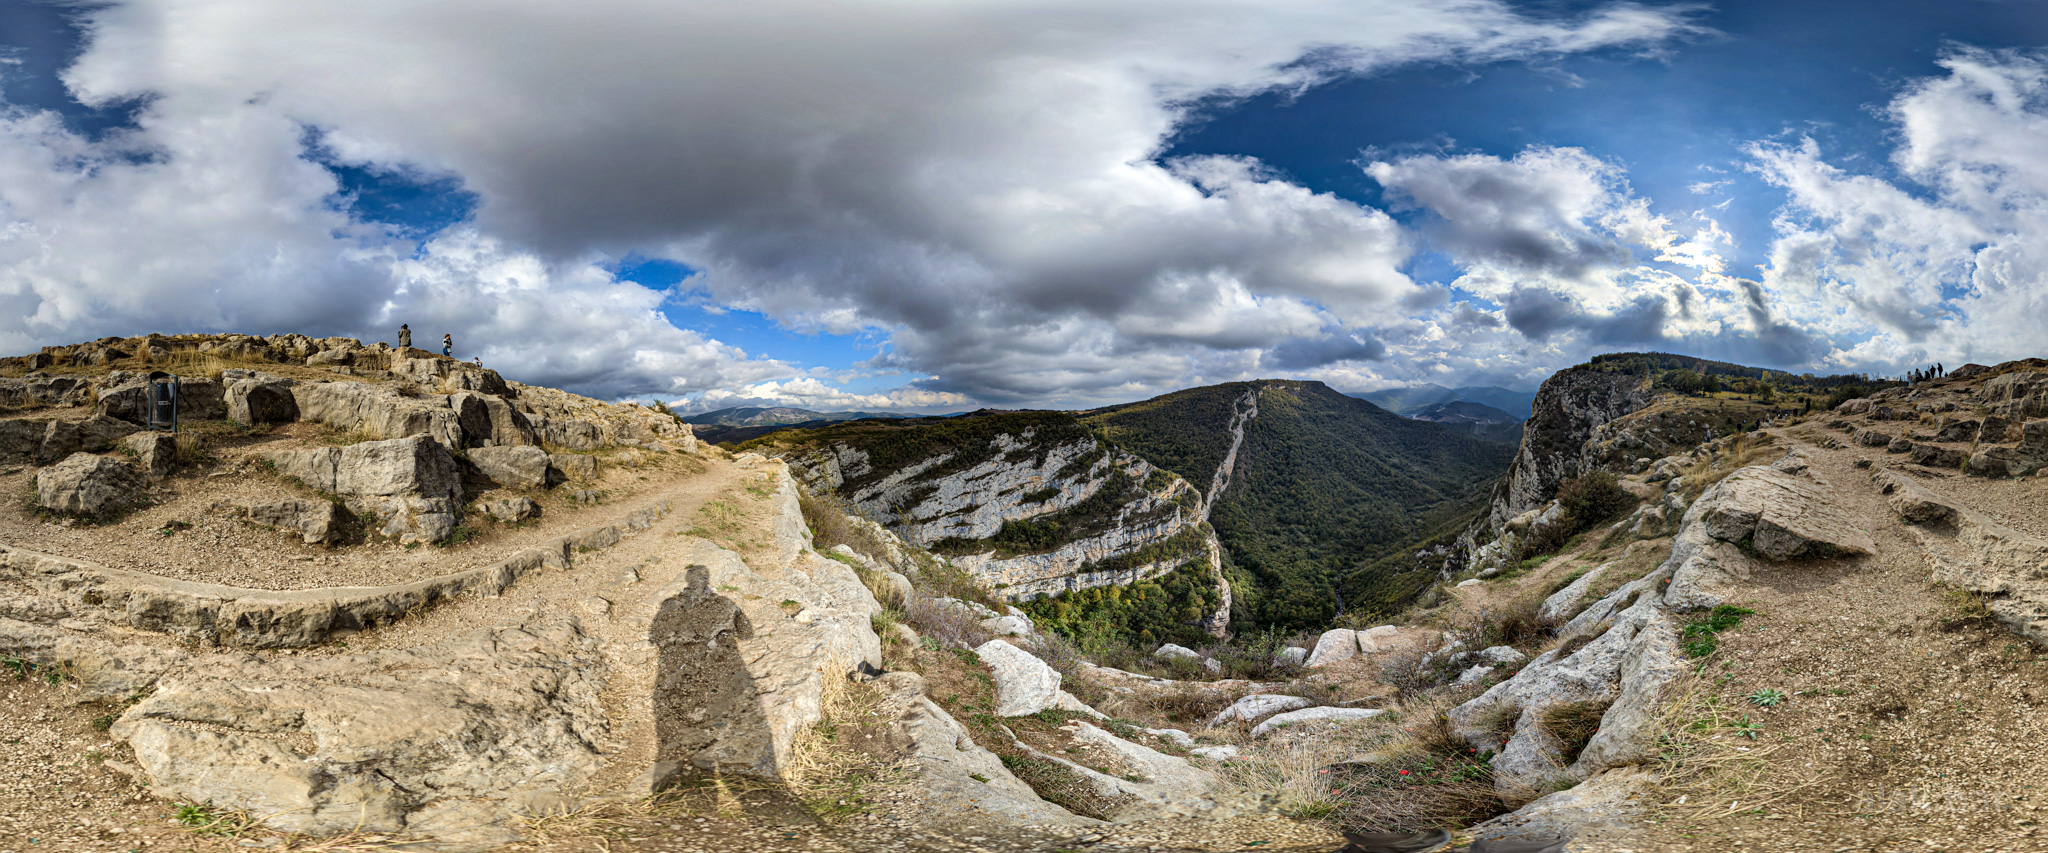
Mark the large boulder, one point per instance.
(1258, 705)
(574, 467)
(21, 439)
(127, 398)
(88, 485)
(378, 411)
(490, 421)
(522, 467)
(37, 391)
(317, 522)
(2018, 395)
(411, 485)
(155, 452)
(1780, 516)
(1334, 645)
(258, 398)
(92, 435)
(1024, 684)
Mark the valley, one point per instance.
(367, 596)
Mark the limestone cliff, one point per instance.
(1030, 503)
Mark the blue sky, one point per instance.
(940, 206)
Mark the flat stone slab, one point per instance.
(1783, 516)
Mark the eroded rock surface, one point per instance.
(88, 485)
(442, 741)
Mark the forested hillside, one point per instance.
(1323, 488)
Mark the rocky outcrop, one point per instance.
(258, 398)
(410, 484)
(95, 434)
(317, 522)
(33, 392)
(1309, 715)
(1558, 440)
(521, 467)
(2017, 395)
(87, 485)
(1334, 645)
(1024, 684)
(155, 452)
(1758, 511)
(968, 783)
(960, 498)
(447, 741)
(1970, 551)
(1253, 707)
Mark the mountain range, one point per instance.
(1416, 398)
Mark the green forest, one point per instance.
(1327, 488)
(1161, 610)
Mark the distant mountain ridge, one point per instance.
(748, 416)
(1415, 398)
(1311, 492)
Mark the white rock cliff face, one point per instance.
(975, 503)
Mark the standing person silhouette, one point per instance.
(448, 345)
(404, 336)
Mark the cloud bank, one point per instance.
(981, 185)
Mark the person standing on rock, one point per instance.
(448, 345)
(404, 336)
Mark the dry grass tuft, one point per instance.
(1712, 761)
(1740, 452)
(829, 765)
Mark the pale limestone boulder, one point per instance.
(317, 522)
(88, 485)
(512, 510)
(410, 485)
(1290, 656)
(92, 435)
(1502, 656)
(1371, 639)
(1783, 516)
(574, 467)
(1564, 603)
(965, 780)
(258, 398)
(1024, 684)
(156, 453)
(515, 467)
(1610, 806)
(1258, 705)
(1334, 645)
(1171, 650)
(1215, 753)
(1308, 715)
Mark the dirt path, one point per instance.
(1910, 722)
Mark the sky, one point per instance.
(938, 205)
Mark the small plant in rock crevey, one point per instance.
(1769, 697)
(1698, 635)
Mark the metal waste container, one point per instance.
(163, 401)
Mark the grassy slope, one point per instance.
(1326, 485)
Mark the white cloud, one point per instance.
(1950, 270)
(980, 181)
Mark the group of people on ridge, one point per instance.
(447, 343)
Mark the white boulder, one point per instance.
(1024, 684)
(1258, 705)
(1334, 645)
(1312, 714)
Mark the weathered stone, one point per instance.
(1782, 516)
(1607, 807)
(574, 467)
(899, 585)
(1334, 645)
(1873, 438)
(1564, 603)
(155, 452)
(1912, 501)
(1215, 753)
(511, 510)
(316, 522)
(88, 485)
(1290, 656)
(362, 743)
(520, 467)
(1934, 456)
(1958, 429)
(1626, 668)
(1502, 656)
(127, 398)
(1173, 651)
(21, 439)
(410, 484)
(1371, 639)
(1157, 785)
(1307, 715)
(1257, 705)
(2017, 395)
(2000, 461)
(965, 780)
(1899, 445)
(92, 435)
(258, 398)
(38, 391)
(1024, 684)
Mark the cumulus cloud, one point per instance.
(978, 181)
(1946, 263)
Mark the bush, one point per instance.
(1593, 498)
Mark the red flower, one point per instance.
(1404, 772)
